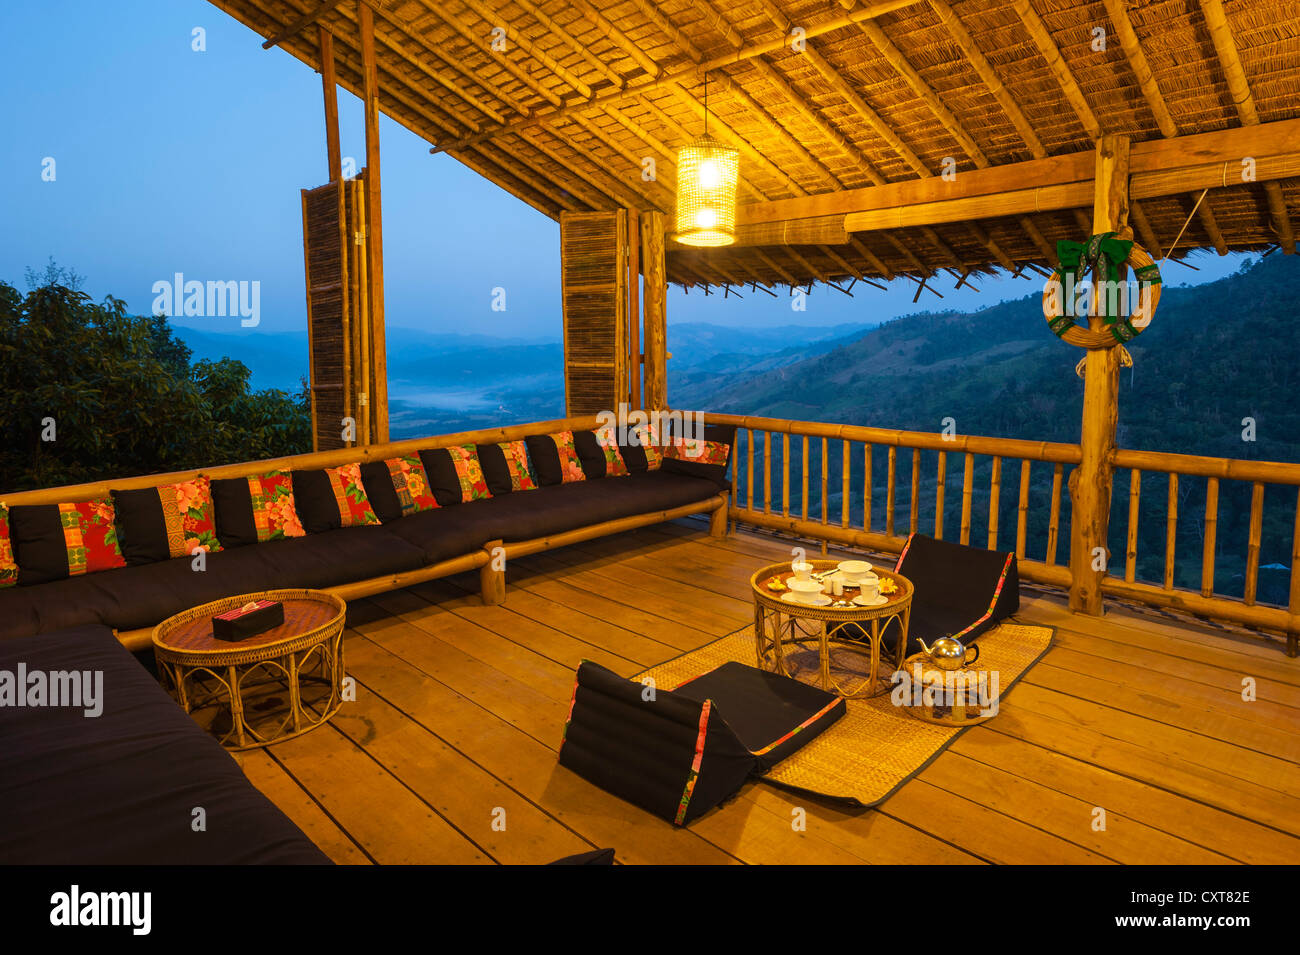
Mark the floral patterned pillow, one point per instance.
(274, 515)
(411, 484)
(8, 567)
(698, 450)
(90, 536)
(521, 473)
(350, 496)
(473, 485)
(570, 466)
(649, 441)
(615, 466)
(190, 517)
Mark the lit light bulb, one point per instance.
(706, 218)
(709, 174)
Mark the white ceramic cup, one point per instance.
(869, 586)
(802, 569)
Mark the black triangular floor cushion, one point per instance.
(678, 753)
(960, 591)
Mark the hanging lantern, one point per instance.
(707, 172)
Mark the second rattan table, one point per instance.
(241, 685)
(779, 623)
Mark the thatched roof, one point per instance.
(586, 89)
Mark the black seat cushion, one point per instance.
(961, 591)
(121, 788)
(141, 596)
(771, 714)
(553, 509)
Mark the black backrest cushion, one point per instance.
(643, 750)
(234, 507)
(634, 457)
(443, 480)
(955, 587)
(590, 454)
(313, 498)
(545, 459)
(36, 533)
(378, 483)
(495, 470)
(141, 526)
(717, 473)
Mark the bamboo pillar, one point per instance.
(1090, 485)
(374, 224)
(329, 87)
(634, 308)
(655, 310)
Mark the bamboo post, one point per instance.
(866, 487)
(329, 87)
(767, 472)
(1292, 637)
(634, 308)
(1211, 533)
(995, 496)
(1091, 483)
(826, 466)
(491, 578)
(967, 492)
(374, 226)
(890, 480)
(1131, 547)
(655, 312)
(1054, 515)
(914, 516)
(749, 472)
(1252, 548)
(844, 485)
(938, 495)
(1171, 530)
(803, 477)
(1022, 511)
(785, 474)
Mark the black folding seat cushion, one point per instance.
(960, 591)
(678, 753)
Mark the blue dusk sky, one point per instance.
(169, 160)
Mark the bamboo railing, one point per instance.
(870, 514)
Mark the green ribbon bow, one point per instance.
(1103, 253)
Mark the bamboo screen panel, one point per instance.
(328, 313)
(593, 266)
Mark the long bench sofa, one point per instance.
(358, 561)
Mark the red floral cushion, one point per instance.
(615, 466)
(8, 567)
(350, 495)
(274, 513)
(469, 471)
(570, 466)
(190, 518)
(698, 450)
(411, 484)
(521, 474)
(649, 442)
(90, 536)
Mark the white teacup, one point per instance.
(802, 569)
(852, 570)
(869, 586)
(805, 591)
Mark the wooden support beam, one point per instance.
(374, 225)
(656, 310)
(634, 308)
(1038, 32)
(1092, 482)
(1142, 226)
(301, 23)
(1225, 47)
(1137, 61)
(329, 87)
(986, 240)
(1211, 226)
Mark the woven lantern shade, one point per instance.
(707, 172)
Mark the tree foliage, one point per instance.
(119, 394)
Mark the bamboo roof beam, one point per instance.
(1040, 242)
(621, 194)
(944, 248)
(1142, 225)
(459, 25)
(907, 254)
(833, 78)
(966, 43)
(685, 136)
(1137, 61)
(1211, 226)
(582, 49)
(848, 267)
(391, 37)
(493, 19)
(990, 243)
(574, 185)
(808, 267)
(301, 23)
(634, 161)
(618, 37)
(776, 267)
(1225, 47)
(698, 68)
(875, 261)
(1047, 47)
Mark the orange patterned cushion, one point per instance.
(649, 441)
(473, 485)
(615, 466)
(411, 484)
(190, 518)
(8, 568)
(570, 466)
(521, 473)
(90, 536)
(274, 513)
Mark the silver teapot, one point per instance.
(949, 653)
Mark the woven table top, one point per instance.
(894, 603)
(306, 613)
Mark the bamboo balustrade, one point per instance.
(859, 522)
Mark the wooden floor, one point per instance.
(448, 754)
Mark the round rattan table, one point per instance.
(780, 624)
(243, 683)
